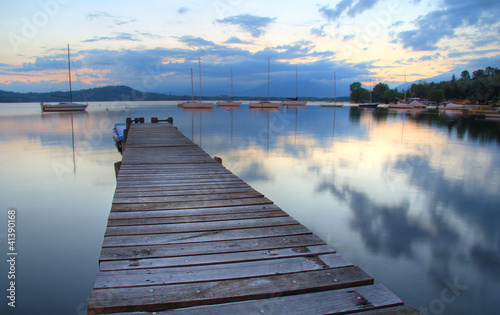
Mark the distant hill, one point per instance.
(110, 94)
(103, 94)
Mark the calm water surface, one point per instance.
(413, 199)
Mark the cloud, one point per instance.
(298, 48)
(333, 14)
(182, 10)
(436, 25)
(116, 20)
(456, 54)
(97, 15)
(348, 6)
(361, 6)
(119, 36)
(192, 41)
(250, 23)
(236, 40)
(430, 57)
(348, 37)
(319, 32)
(122, 37)
(42, 63)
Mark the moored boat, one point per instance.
(368, 105)
(118, 132)
(231, 102)
(65, 106)
(264, 104)
(193, 103)
(293, 103)
(228, 103)
(399, 106)
(268, 103)
(196, 104)
(417, 104)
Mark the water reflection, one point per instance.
(418, 187)
(410, 197)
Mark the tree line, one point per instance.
(482, 87)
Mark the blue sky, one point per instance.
(152, 45)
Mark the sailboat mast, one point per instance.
(370, 90)
(268, 77)
(297, 81)
(405, 86)
(231, 83)
(335, 86)
(192, 87)
(69, 75)
(199, 62)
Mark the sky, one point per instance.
(152, 45)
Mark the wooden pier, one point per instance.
(186, 236)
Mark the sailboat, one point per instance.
(401, 104)
(264, 104)
(65, 106)
(295, 101)
(193, 103)
(231, 102)
(369, 105)
(334, 93)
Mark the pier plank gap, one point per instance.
(187, 236)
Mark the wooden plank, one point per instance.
(190, 237)
(227, 271)
(199, 226)
(177, 176)
(186, 181)
(211, 247)
(182, 198)
(182, 185)
(184, 192)
(324, 302)
(258, 255)
(395, 310)
(197, 218)
(192, 212)
(173, 167)
(191, 204)
(170, 174)
(159, 298)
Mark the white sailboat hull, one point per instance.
(294, 103)
(63, 107)
(230, 103)
(195, 104)
(264, 105)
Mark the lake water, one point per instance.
(411, 198)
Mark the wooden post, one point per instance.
(170, 120)
(117, 168)
(154, 120)
(141, 120)
(218, 159)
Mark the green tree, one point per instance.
(489, 71)
(358, 93)
(378, 92)
(465, 75)
(437, 95)
(391, 95)
(478, 74)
